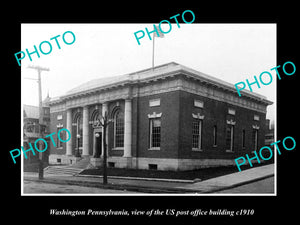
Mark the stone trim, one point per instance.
(198, 116)
(59, 125)
(166, 163)
(230, 122)
(153, 88)
(154, 115)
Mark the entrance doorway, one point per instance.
(97, 144)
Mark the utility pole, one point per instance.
(40, 69)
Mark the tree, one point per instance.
(104, 122)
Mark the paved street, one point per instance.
(262, 186)
(42, 188)
(255, 180)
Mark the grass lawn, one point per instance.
(203, 174)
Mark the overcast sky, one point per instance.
(231, 52)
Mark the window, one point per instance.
(255, 139)
(119, 129)
(29, 127)
(155, 132)
(111, 164)
(79, 131)
(215, 135)
(59, 143)
(198, 103)
(154, 102)
(229, 137)
(152, 166)
(256, 117)
(46, 111)
(197, 134)
(95, 119)
(243, 139)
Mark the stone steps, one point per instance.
(61, 170)
(68, 170)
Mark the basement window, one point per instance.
(111, 164)
(152, 166)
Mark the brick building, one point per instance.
(167, 118)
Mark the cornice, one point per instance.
(137, 81)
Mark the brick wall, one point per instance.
(169, 107)
(215, 114)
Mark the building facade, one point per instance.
(169, 117)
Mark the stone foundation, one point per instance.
(62, 159)
(147, 163)
(162, 164)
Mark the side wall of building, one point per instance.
(216, 115)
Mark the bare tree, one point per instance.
(104, 122)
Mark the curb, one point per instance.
(141, 178)
(143, 189)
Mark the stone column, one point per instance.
(69, 127)
(127, 128)
(85, 131)
(104, 109)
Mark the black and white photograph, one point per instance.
(148, 112)
(162, 117)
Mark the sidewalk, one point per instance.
(163, 186)
(232, 180)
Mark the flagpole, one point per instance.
(153, 53)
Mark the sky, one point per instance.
(231, 52)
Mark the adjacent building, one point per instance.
(32, 126)
(169, 117)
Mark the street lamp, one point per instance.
(77, 152)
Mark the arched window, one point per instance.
(118, 129)
(95, 119)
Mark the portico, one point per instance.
(89, 136)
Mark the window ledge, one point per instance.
(197, 150)
(230, 151)
(118, 148)
(154, 148)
